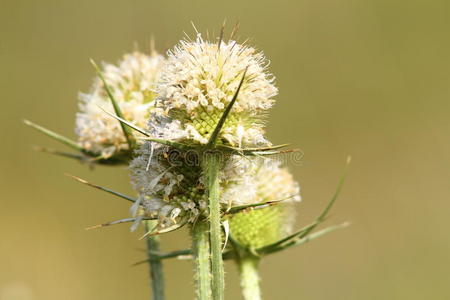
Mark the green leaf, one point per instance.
(213, 139)
(126, 131)
(103, 188)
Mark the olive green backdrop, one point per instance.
(366, 78)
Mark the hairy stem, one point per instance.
(218, 282)
(200, 247)
(248, 269)
(155, 264)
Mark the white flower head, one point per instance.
(261, 227)
(132, 83)
(257, 180)
(200, 80)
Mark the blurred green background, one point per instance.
(367, 78)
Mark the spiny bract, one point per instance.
(131, 82)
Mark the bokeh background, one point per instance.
(366, 78)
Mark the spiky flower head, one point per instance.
(131, 82)
(200, 80)
(168, 185)
(257, 228)
(172, 187)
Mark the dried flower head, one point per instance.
(168, 187)
(172, 187)
(258, 228)
(200, 80)
(131, 82)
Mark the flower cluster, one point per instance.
(197, 83)
(181, 99)
(132, 83)
(202, 157)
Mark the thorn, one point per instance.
(222, 30)
(234, 31)
(111, 223)
(153, 51)
(102, 188)
(196, 31)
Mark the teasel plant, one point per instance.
(191, 128)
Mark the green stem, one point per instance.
(200, 247)
(155, 264)
(248, 269)
(218, 281)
